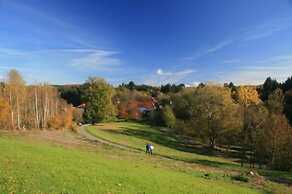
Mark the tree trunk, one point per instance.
(36, 109)
(212, 142)
(45, 110)
(11, 106)
(18, 112)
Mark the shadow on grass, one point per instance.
(184, 144)
(283, 177)
(176, 143)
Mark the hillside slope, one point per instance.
(63, 162)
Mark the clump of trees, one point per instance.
(34, 106)
(237, 116)
(232, 115)
(97, 96)
(168, 117)
(71, 93)
(270, 85)
(167, 88)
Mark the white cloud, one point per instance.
(183, 72)
(161, 72)
(193, 84)
(161, 77)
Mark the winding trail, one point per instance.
(83, 132)
(94, 139)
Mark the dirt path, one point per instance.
(94, 139)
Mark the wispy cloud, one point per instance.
(73, 47)
(267, 29)
(99, 60)
(231, 61)
(12, 52)
(255, 72)
(251, 33)
(67, 31)
(219, 46)
(215, 48)
(46, 64)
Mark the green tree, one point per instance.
(275, 102)
(131, 85)
(212, 112)
(98, 99)
(256, 118)
(268, 87)
(288, 105)
(168, 117)
(287, 85)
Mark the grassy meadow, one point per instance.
(30, 162)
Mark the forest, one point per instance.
(253, 120)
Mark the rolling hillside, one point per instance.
(110, 158)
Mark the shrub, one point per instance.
(241, 178)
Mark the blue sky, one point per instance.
(149, 41)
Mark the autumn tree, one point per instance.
(247, 96)
(256, 118)
(4, 114)
(212, 110)
(78, 115)
(98, 98)
(15, 87)
(279, 133)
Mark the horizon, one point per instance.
(148, 42)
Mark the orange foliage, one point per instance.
(63, 120)
(4, 114)
(132, 108)
(248, 95)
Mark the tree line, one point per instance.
(32, 106)
(251, 121)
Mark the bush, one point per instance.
(55, 122)
(241, 178)
(168, 117)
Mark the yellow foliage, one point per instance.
(62, 120)
(4, 114)
(248, 95)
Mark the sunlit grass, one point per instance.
(36, 165)
(27, 167)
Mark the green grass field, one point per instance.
(66, 163)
